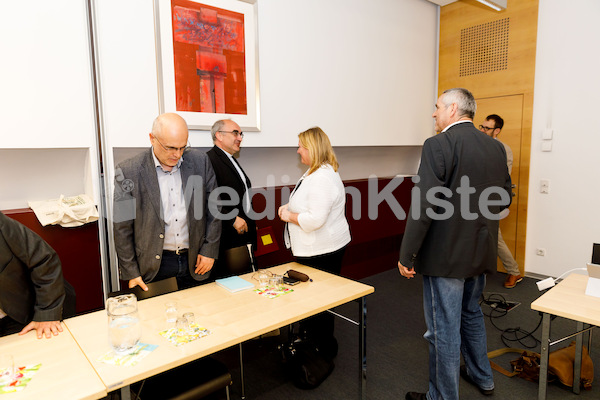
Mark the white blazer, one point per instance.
(320, 201)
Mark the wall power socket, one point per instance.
(545, 284)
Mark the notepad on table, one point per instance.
(234, 284)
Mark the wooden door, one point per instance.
(509, 108)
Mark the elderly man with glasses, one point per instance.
(162, 223)
(238, 228)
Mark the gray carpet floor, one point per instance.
(396, 351)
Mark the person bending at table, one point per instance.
(316, 225)
(163, 227)
(32, 291)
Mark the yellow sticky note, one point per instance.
(266, 240)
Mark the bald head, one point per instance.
(170, 125)
(169, 138)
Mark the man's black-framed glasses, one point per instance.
(235, 133)
(481, 127)
(172, 149)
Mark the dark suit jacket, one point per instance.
(138, 224)
(463, 245)
(227, 176)
(31, 281)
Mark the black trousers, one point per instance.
(320, 327)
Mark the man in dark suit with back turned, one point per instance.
(32, 292)
(162, 223)
(451, 238)
(237, 229)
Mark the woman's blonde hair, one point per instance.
(319, 149)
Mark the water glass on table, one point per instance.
(171, 312)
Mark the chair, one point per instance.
(181, 383)
(156, 288)
(238, 260)
(69, 305)
(193, 380)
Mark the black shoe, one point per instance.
(466, 377)
(416, 396)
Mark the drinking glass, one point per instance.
(276, 282)
(182, 326)
(263, 278)
(171, 311)
(191, 319)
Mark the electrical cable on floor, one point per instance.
(524, 338)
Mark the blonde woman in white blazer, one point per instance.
(316, 228)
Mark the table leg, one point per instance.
(125, 393)
(242, 373)
(590, 342)
(577, 362)
(545, 345)
(362, 348)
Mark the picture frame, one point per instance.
(206, 70)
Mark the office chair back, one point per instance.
(154, 289)
(237, 260)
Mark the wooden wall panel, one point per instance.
(516, 79)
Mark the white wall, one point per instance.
(566, 221)
(48, 135)
(365, 71)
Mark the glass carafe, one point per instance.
(124, 329)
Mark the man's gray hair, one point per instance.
(217, 126)
(463, 99)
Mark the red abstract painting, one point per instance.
(209, 58)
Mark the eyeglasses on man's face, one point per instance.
(172, 149)
(485, 128)
(235, 133)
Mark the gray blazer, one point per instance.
(138, 223)
(31, 281)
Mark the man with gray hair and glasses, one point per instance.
(451, 239)
(238, 229)
(162, 223)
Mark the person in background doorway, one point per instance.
(492, 127)
(316, 227)
(453, 243)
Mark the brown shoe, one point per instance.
(512, 280)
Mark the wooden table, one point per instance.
(232, 318)
(568, 300)
(65, 372)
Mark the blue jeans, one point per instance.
(455, 325)
(176, 265)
